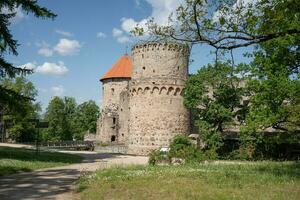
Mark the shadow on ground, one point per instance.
(24, 154)
(47, 183)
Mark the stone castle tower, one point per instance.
(142, 101)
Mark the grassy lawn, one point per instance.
(13, 160)
(256, 180)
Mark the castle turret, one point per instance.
(157, 112)
(115, 83)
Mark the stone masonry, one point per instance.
(145, 111)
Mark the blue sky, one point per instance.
(70, 54)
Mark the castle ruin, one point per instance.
(142, 105)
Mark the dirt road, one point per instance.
(58, 183)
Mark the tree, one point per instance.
(68, 121)
(21, 130)
(86, 118)
(214, 95)
(274, 92)
(228, 24)
(60, 114)
(8, 45)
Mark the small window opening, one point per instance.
(144, 68)
(114, 120)
(113, 138)
(112, 91)
(142, 55)
(153, 71)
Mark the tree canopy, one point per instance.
(18, 123)
(228, 24)
(8, 44)
(68, 121)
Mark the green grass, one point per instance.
(13, 160)
(257, 180)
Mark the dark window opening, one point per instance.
(113, 138)
(114, 120)
(142, 55)
(153, 71)
(112, 91)
(144, 68)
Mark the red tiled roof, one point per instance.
(121, 69)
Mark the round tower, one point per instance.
(157, 112)
(112, 126)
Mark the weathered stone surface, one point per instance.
(150, 110)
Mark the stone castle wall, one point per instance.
(157, 112)
(108, 124)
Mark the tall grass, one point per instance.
(246, 180)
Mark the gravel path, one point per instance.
(58, 182)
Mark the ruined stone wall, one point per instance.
(108, 124)
(157, 112)
(123, 117)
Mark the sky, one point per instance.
(70, 53)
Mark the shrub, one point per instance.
(157, 156)
(182, 147)
(179, 145)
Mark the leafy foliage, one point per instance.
(8, 45)
(215, 96)
(86, 117)
(228, 24)
(20, 129)
(67, 121)
(60, 114)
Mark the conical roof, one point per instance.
(121, 69)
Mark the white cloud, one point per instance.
(19, 16)
(64, 33)
(101, 35)
(58, 69)
(161, 10)
(67, 47)
(30, 65)
(123, 39)
(57, 90)
(120, 35)
(128, 24)
(117, 32)
(45, 49)
(45, 52)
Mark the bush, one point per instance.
(182, 147)
(157, 156)
(179, 145)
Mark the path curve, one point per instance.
(58, 183)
